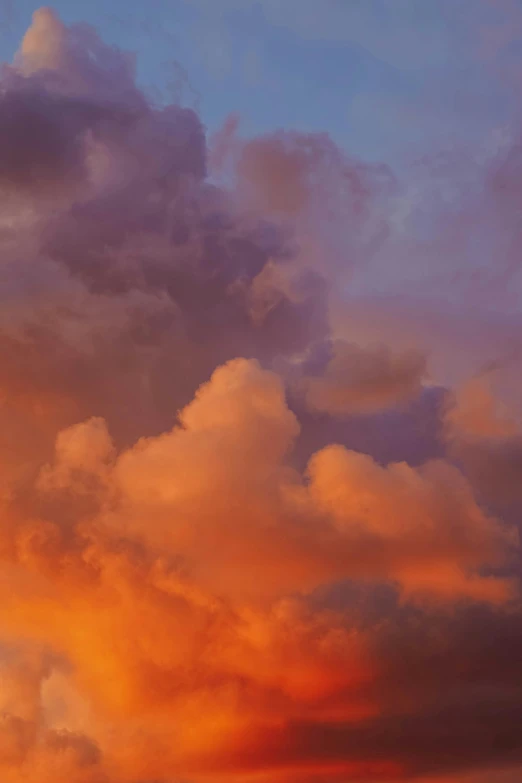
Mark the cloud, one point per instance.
(54, 756)
(358, 380)
(484, 434)
(191, 617)
(236, 538)
(74, 60)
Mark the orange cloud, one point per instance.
(166, 592)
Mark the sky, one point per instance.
(382, 77)
(260, 372)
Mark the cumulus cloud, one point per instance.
(236, 538)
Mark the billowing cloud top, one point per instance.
(241, 538)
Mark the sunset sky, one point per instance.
(260, 391)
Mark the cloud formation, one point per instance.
(237, 539)
(365, 380)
